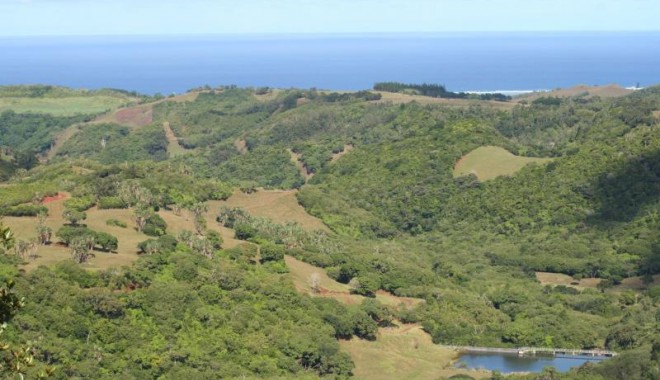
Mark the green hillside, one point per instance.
(200, 288)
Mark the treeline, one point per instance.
(436, 91)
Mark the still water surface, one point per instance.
(507, 363)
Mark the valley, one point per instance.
(265, 233)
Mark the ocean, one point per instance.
(460, 61)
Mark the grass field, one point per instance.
(66, 106)
(24, 228)
(608, 91)
(398, 98)
(403, 352)
(301, 272)
(488, 162)
(281, 206)
(173, 147)
(631, 283)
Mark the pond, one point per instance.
(507, 363)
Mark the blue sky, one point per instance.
(130, 17)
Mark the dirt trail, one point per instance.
(173, 147)
(241, 146)
(337, 156)
(296, 159)
(61, 139)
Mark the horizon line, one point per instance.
(337, 33)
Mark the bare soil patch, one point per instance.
(55, 198)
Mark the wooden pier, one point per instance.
(533, 351)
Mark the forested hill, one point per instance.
(486, 258)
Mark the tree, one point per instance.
(18, 359)
(315, 282)
(44, 233)
(25, 249)
(365, 285)
(140, 199)
(106, 241)
(198, 210)
(81, 249)
(73, 216)
(6, 237)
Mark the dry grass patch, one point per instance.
(177, 223)
(636, 283)
(488, 162)
(403, 352)
(174, 149)
(554, 279)
(301, 273)
(631, 283)
(64, 106)
(281, 206)
(24, 228)
(398, 98)
(608, 91)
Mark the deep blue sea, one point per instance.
(460, 61)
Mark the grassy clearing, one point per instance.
(24, 228)
(66, 106)
(554, 279)
(173, 147)
(403, 352)
(608, 91)
(281, 206)
(301, 272)
(488, 162)
(129, 238)
(399, 98)
(631, 283)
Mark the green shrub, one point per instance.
(68, 233)
(244, 231)
(106, 241)
(272, 252)
(155, 226)
(80, 203)
(164, 244)
(106, 203)
(116, 223)
(23, 210)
